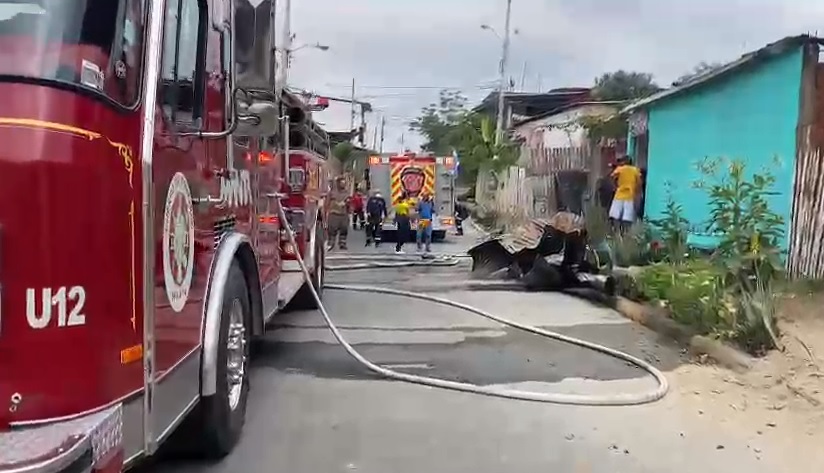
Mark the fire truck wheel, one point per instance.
(224, 414)
(304, 300)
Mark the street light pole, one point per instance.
(285, 47)
(499, 130)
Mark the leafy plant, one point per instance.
(600, 127)
(597, 224)
(630, 248)
(692, 290)
(757, 330)
(673, 228)
(448, 126)
(343, 152)
(749, 230)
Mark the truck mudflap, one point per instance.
(91, 443)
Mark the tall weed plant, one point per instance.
(749, 230)
(673, 228)
(750, 234)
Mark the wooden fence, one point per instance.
(806, 239)
(527, 190)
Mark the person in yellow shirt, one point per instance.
(627, 186)
(403, 222)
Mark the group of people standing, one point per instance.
(407, 211)
(370, 215)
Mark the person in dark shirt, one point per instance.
(375, 214)
(461, 214)
(606, 189)
(642, 197)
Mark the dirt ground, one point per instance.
(780, 402)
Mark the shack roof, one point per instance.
(771, 50)
(527, 104)
(567, 107)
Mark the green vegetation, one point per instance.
(730, 294)
(623, 85)
(449, 126)
(344, 152)
(348, 154)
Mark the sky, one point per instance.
(401, 53)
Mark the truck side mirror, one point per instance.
(220, 15)
(223, 20)
(248, 113)
(256, 115)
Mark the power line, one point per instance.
(422, 87)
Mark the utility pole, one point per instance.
(540, 83)
(285, 48)
(363, 125)
(499, 131)
(383, 127)
(523, 77)
(375, 137)
(352, 112)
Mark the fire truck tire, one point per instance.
(221, 425)
(304, 300)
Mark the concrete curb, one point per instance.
(657, 320)
(654, 318)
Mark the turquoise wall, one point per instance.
(751, 114)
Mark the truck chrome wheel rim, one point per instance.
(236, 354)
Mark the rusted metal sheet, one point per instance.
(524, 237)
(528, 236)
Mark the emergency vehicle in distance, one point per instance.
(142, 176)
(416, 175)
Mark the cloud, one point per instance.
(387, 45)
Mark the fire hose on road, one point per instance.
(619, 399)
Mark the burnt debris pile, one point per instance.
(544, 255)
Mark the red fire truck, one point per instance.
(142, 173)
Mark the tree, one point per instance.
(624, 85)
(343, 151)
(701, 69)
(437, 120)
(448, 126)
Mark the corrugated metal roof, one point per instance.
(528, 236)
(568, 107)
(770, 50)
(528, 104)
(524, 237)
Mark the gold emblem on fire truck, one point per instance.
(178, 242)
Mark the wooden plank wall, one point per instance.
(806, 239)
(527, 190)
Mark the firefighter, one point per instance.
(375, 214)
(357, 210)
(426, 212)
(461, 214)
(338, 214)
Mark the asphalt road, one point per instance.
(313, 409)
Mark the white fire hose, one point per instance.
(619, 399)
